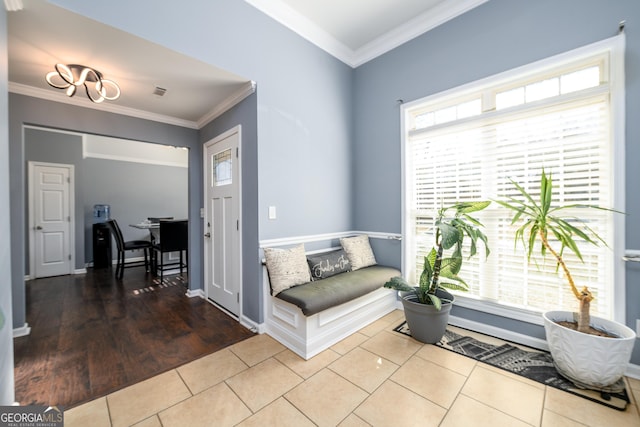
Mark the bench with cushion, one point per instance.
(312, 301)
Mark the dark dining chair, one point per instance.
(173, 238)
(131, 245)
(156, 220)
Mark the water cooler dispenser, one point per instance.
(101, 237)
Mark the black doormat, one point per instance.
(536, 365)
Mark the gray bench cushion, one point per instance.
(313, 297)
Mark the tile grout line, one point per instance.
(478, 365)
(305, 380)
(184, 382)
(193, 394)
(298, 409)
(369, 394)
(271, 402)
(240, 399)
(282, 395)
(157, 414)
(106, 401)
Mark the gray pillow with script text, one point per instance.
(328, 264)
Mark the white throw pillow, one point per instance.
(286, 267)
(358, 251)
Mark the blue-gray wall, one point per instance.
(304, 103)
(304, 111)
(245, 114)
(495, 37)
(56, 147)
(7, 395)
(25, 110)
(328, 136)
(133, 190)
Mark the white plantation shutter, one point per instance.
(474, 158)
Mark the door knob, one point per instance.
(207, 235)
(38, 228)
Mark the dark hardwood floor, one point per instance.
(92, 334)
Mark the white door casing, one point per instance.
(51, 201)
(222, 227)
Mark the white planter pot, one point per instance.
(588, 359)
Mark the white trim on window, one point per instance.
(609, 56)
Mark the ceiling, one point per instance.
(41, 35)
(354, 31)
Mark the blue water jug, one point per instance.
(100, 213)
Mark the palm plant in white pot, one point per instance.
(590, 351)
(427, 305)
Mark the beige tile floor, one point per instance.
(375, 377)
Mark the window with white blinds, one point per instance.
(558, 117)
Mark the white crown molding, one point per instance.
(111, 108)
(304, 27)
(417, 26)
(218, 110)
(13, 5)
(309, 30)
(227, 104)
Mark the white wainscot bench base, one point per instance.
(308, 336)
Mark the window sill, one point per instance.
(496, 309)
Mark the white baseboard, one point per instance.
(243, 320)
(250, 324)
(493, 331)
(632, 371)
(261, 328)
(76, 271)
(504, 334)
(193, 293)
(22, 331)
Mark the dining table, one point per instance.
(153, 227)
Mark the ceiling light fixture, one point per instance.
(13, 5)
(70, 77)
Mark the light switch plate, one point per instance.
(272, 212)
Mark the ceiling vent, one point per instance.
(160, 91)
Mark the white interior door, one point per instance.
(50, 219)
(223, 273)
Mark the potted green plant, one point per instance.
(590, 351)
(427, 305)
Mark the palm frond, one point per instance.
(468, 207)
